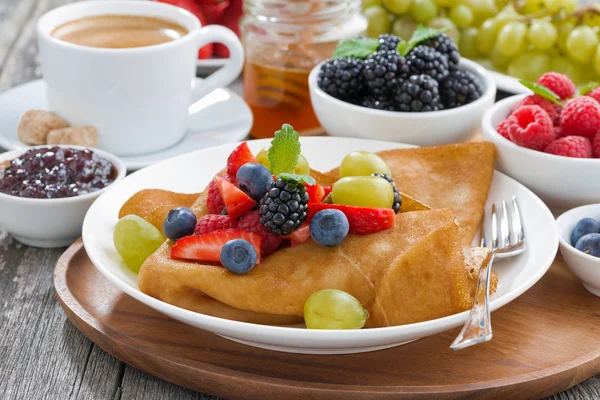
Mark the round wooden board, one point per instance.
(544, 342)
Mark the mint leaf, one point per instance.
(587, 88)
(284, 151)
(541, 91)
(309, 180)
(360, 47)
(403, 48)
(420, 35)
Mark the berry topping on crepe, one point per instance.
(238, 157)
(362, 220)
(214, 222)
(207, 247)
(329, 227)
(251, 223)
(397, 199)
(316, 193)
(254, 179)
(283, 208)
(180, 222)
(236, 202)
(214, 201)
(300, 235)
(238, 256)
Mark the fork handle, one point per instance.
(478, 328)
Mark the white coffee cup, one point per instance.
(137, 98)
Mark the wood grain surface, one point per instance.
(42, 354)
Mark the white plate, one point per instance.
(220, 117)
(504, 82)
(192, 172)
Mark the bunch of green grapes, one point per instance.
(523, 38)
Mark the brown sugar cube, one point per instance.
(34, 126)
(74, 135)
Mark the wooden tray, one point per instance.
(544, 342)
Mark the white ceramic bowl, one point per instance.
(586, 267)
(561, 182)
(339, 118)
(49, 222)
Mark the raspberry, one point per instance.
(580, 117)
(531, 127)
(558, 132)
(502, 129)
(558, 83)
(596, 145)
(571, 146)
(214, 201)
(251, 223)
(553, 110)
(214, 222)
(594, 94)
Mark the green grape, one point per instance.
(592, 18)
(564, 30)
(501, 3)
(506, 15)
(446, 25)
(370, 3)
(363, 191)
(486, 37)
(530, 66)
(542, 34)
(379, 21)
(135, 240)
(404, 27)
(499, 60)
(511, 39)
(565, 66)
(554, 6)
(446, 3)
(397, 7)
(482, 9)
(581, 44)
(461, 15)
(531, 6)
(334, 309)
(467, 46)
(423, 10)
(597, 60)
(363, 163)
(302, 168)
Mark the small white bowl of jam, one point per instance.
(45, 191)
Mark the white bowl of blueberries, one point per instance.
(579, 236)
(418, 92)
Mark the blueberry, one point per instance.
(589, 244)
(254, 179)
(238, 256)
(583, 227)
(329, 227)
(180, 222)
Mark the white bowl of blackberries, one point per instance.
(418, 91)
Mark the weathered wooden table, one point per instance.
(42, 355)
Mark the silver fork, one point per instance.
(506, 242)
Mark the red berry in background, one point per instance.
(213, 10)
(502, 129)
(231, 20)
(580, 117)
(193, 7)
(531, 127)
(594, 94)
(553, 110)
(596, 145)
(571, 146)
(558, 83)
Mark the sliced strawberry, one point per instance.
(315, 193)
(362, 220)
(236, 202)
(300, 235)
(327, 190)
(207, 247)
(251, 223)
(214, 201)
(238, 157)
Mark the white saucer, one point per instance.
(210, 65)
(220, 117)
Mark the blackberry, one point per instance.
(378, 103)
(284, 207)
(443, 44)
(397, 199)
(388, 41)
(425, 60)
(342, 78)
(460, 88)
(419, 93)
(383, 72)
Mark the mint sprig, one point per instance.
(284, 151)
(309, 180)
(420, 35)
(541, 91)
(588, 88)
(360, 47)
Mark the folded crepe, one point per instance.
(417, 271)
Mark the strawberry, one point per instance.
(213, 10)
(214, 222)
(214, 201)
(315, 193)
(300, 235)
(207, 247)
(236, 202)
(193, 7)
(251, 223)
(327, 190)
(238, 157)
(231, 20)
(362, 220)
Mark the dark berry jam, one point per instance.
(55, 172)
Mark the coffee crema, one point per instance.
(119, 31)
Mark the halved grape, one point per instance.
(302, 168)
(363, 163)
(363, 191)
(334, 309)
(135, 240)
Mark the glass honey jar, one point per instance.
(283, 41)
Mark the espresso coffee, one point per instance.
(119, 31)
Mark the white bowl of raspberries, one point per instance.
(550, 140)
(419, 91)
